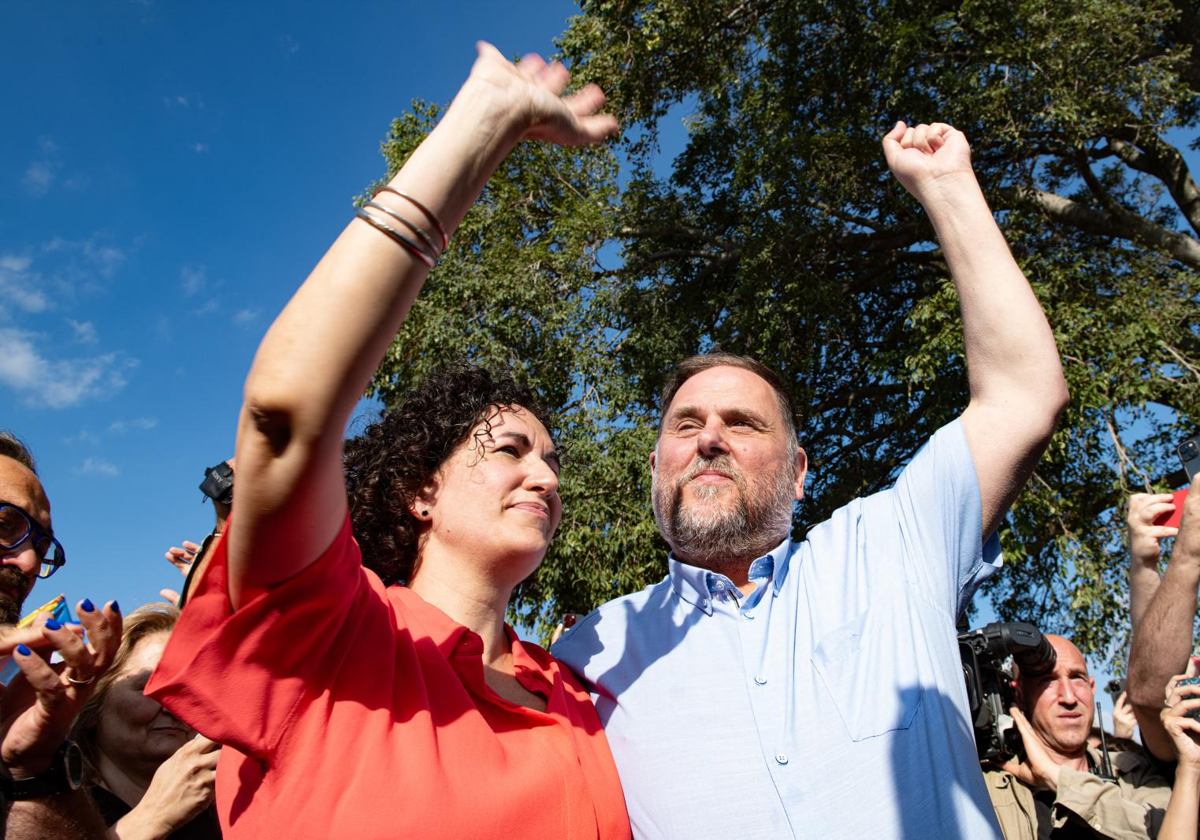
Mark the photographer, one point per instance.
(191, 559)
(1055, 790)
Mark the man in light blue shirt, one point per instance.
(771, 689)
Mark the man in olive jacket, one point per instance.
(1056, 788)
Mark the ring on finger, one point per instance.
(88, 681)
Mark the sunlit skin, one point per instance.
(1061, 705)
(19, 486)
(726, 411)
(136, 734)
(494, 502)
(489, 514)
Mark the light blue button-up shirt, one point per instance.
(830, 701)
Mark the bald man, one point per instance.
(1055, 791)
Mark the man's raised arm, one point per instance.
(1015, 376)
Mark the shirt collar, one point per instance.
(697, 586)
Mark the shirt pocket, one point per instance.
(867, 667)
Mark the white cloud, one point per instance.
(120, 427)
(210, 306)
(57, 383)
(85, 331)
(245, 317)
(20, 287)
(39, 177)
(193, 280)
(83, 436)
(290, 45)
(98, 466)
(105, 259)
(43, 172)
(199, 148)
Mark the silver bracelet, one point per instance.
(429, 214)
(396, 235)
(433, 249)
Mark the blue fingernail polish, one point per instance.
(23, 650)
(116, 607)
(87, 605)
(51, 624)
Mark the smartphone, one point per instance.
(1114, 688)
(1172, 519)
(1191, 681)
(1189, 454)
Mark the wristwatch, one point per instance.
(64, 775)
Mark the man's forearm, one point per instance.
(68, 816)
(1163, 638)
(1143, 584)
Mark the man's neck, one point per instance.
(737, 569)
(1076, 759)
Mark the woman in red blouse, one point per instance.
(351, 709)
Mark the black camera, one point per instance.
(988, 659)
(218, 483)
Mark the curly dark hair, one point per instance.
(391, 460)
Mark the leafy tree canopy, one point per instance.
(778, 232)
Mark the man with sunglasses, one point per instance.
(28, 549)
(41, 769)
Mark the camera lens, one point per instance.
(1189, 450)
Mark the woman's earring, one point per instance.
(424, 513)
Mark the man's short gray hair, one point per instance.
(693, 365)
(13, 447)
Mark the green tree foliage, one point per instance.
(779, 233)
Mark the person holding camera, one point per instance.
(1056, 789)
(1162, 634)
(192, 558)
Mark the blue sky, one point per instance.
(171, 172)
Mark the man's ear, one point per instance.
(653, 457)
(800, 465)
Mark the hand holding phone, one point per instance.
(1172, 518)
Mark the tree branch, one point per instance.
(1123, 224)
(1165, 162)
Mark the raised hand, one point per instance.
(925, 157)
(1184, 730)
(41, 703)
(1144, 535)
(1124, 720)
(182, 558)
(530, 92)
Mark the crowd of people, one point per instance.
(765, 688)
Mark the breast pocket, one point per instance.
(870, 672)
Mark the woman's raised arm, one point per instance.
(318, 357)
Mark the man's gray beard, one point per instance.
(715, 536)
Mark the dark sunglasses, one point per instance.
(17, 526)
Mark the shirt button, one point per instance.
(748, 615)
(719, 586)
(781, 758)
(760, 680)
(704, 602)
